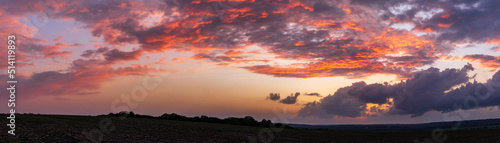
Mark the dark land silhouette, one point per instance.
(130, 127)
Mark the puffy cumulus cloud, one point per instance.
(292, 99)
(348, 101)
(473, 95)
(321, 38)
(273, 96)
(427, 90)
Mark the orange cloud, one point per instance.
(495, 40)
(486, 61)
(353, 26)
(76, 80)
(320, 36)
(57, 38)
(347, 10)
(444, 25)
(301, 43)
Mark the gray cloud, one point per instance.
(93, 53)
(313, 94)
(273, 96)
(428, 90)
(292, 99)
(116, 55)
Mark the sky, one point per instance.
(292, 61)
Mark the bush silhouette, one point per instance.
(245, 121)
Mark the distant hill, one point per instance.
(453, 125)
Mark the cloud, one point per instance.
(486, 61)
(32, 48)
(467, 21)
(37, 49)
(84, 77)
(371, 56)
(116, 55)
(472, 21)
(317, 38)
(273, 96)
(313, 94)
(93, 53)
(322, 38)
(312, 109)
(292, 99)
(428, 90)
(57, 38)
(496, 48)
(113, 56)
(214, 58)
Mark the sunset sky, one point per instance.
(315, 61)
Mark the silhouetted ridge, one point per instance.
(245, 121)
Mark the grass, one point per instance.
(68, 128)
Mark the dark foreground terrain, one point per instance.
(66, 128)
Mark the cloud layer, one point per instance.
(323, 38)
(297, 38)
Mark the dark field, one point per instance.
(66, 128)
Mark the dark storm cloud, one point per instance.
(273, 96)
(427, 90)
(473, 95)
